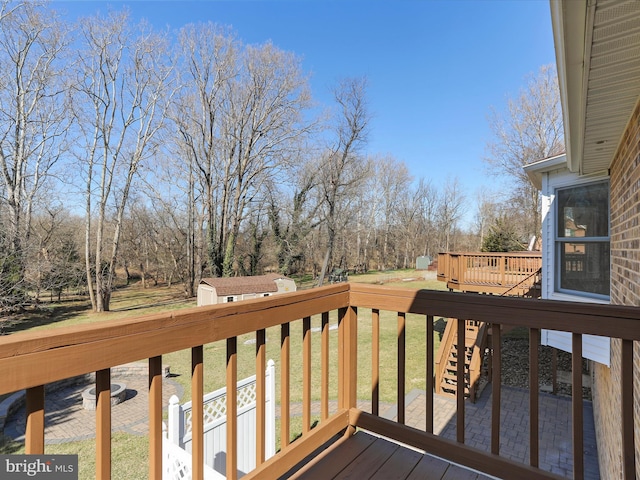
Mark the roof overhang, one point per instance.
(597, 45)
(535, 170)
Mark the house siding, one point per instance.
(593, 347)
(625, 290)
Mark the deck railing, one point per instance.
(33, 359)
(485, 272)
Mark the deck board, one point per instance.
(367, 457)
(336, 459)
(455, 472)
(369, 461)
(399, 466)
(428, 467)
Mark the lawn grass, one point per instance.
(129, 452)
(129, 455)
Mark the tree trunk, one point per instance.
(324, 268)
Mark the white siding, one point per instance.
(206, 295)
(285, 285)
(593, 347)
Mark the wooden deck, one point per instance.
(357, 346)
(366, 456)
(509, 273)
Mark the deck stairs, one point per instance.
(449, 355)
(475, 352)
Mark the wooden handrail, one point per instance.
(68, 352)
(475, 368)
(450, 331)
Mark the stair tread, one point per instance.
(449, 368)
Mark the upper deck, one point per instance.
(32, 360)
(510, 273)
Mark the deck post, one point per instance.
(349, 364)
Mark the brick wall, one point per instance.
(625, 290)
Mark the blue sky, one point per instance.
(435, 68)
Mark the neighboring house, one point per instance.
(591, 195)
(234, 289)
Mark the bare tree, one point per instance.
(488, 210)
(427, 198)
(240, 118)
(342, 166)
(208, 54)
(369, 218)
(394, 179)
(263, 129)
(123, 88)
(293, 217)
(33, 120)
(55, 262)
(530, 130)
(449, 211)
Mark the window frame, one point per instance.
(560, 241)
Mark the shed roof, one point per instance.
(243, 285)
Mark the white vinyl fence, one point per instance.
(177, 441)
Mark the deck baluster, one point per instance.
(430, 375)
(261, 366)
(306, 374)
(375, 361)
(460, 390)
(155, 418)
(284, 384)
(197, 409)
(627, 400)
(496, 386)
(34, 432)
(402, 323)
(103, 424)
(324, 394)
(534, 340)
(232, 408)
(576, 401)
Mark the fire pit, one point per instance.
(118, 395)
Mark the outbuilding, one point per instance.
(233, 289)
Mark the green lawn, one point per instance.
(130, 452)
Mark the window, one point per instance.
(582, 240)
(230, 299)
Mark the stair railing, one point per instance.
(443, 352)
